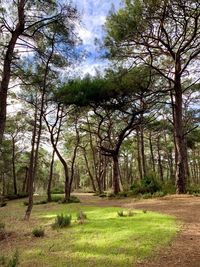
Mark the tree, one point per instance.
(21, 33)
(164, 35)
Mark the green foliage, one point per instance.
(74, 199)
(120, 213)
(38, 232)
(168, 188)
(148, 185)
(41, 202)
(57, 198)
(62, 221)
(18, 196)
(193, 189)
(57, 190)
(3, 204)
(14, 261)
(2, 226)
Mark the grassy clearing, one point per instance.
(105, 239)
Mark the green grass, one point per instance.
(105, 239)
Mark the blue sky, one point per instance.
(93, 16)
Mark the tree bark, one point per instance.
(6, 70)
(116, 186)
(49, 199)
(13, 167)
(179, 133)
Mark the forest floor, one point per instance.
(184, 251)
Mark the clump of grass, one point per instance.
(121, 213)
(41, 202)
(144, 211)
(14, 261)
(81, 217)
(38, 232)
(2, 226)
(62, 221)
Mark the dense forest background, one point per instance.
(131, 129)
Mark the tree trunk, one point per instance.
(13, 167)
(151, 151)
(139, 155)
(179, 134)
(115, 174)
(6, 68)
(159, 159)
(49, 199)
(89, 172)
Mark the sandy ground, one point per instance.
(185, 249)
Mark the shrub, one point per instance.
(159, 194)
(18, 196)
(57, 198)
(41, 202)
(25, 203)
(38, 232)
(14, 261)
(57, 190)
(103, 195)
(144, 211)
(74, 199)
(3, 204)
(2, 226)
(123, 194)
(110, 194)
(193, 189)
(148, 185)
(147, 195)
(120, 213)
(62, 221)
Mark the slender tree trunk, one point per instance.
(151, 151)
(179, 134)
(89, 172)
(159, 159)
(143, 159)
(49, 199)
(31, 170)
(24, 186)
(6, 68)
(13, 167)
(116, 186)
(139, 155)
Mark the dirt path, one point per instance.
(185, 250)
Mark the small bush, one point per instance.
(193, 189)
(57, 198)
(148, 185)
(110, 195)
(38, 232)
(2, 204)
(103, 195)
(147, 195)
(144, 211)
(74, 199)
(2, 226)
(62, 221)
(14, 261)
(25, 203)
(41, 202)
(57, 190)
(120, 213)
(18, 196)
(159, 194)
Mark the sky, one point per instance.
(93, 16)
